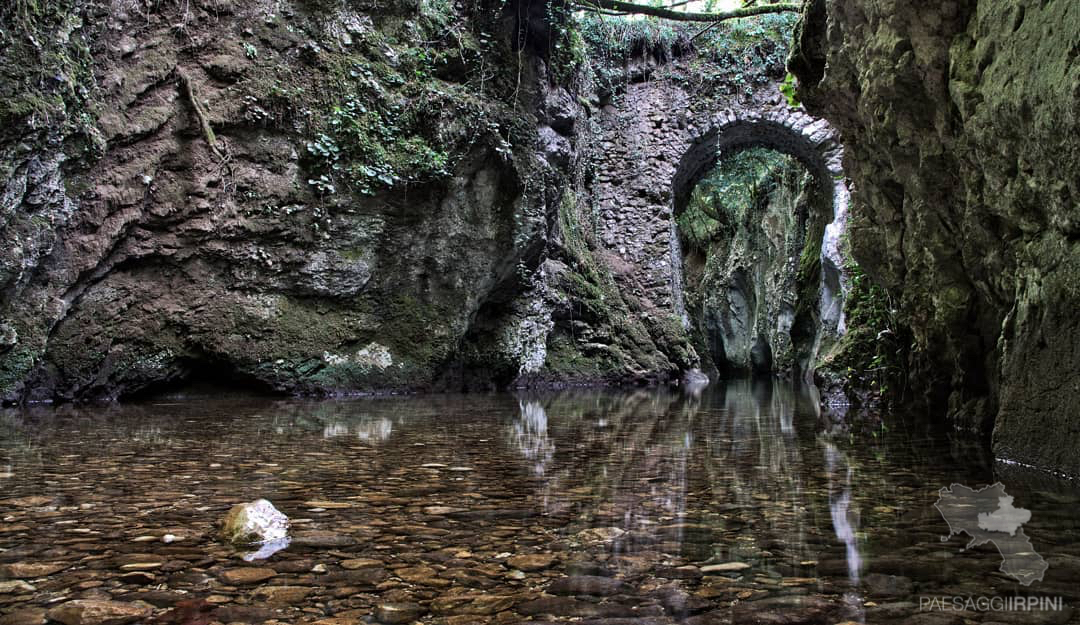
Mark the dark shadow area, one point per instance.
(205, 379)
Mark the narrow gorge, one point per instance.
(853, 223)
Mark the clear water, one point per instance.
(732, 505)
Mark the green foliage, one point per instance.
(46, 70)
(733, 57)
(567, 53)
(873, 352)
(399, 107)
(738, 184)
(788, 89)
(371, 146)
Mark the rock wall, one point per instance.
(321, 198)
(294, 194)
(959, 121)
(749, 289)
(656, 142)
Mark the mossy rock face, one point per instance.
(962, 153)
(307, 199)
(325, 198)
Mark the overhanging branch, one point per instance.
(667, 13)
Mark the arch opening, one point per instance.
(758, 212)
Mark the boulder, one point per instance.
(254, 523)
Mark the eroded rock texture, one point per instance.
(960, 124)
(752, 296)
(316, 197)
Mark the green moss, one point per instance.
(401, 104)
(732, 57)
(14, 367)
(872, 353)
(46, 72)
(602, 339)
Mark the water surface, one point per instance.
(737, 504)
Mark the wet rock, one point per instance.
(443, 510)
(588, 585)
(599, 534)
(458, 605)
(881, 585)
(15, 587)
(678, 572)
(278, 596)
(33, 501)
(785, 610)
(934, 618)
(322, 539)
(27, 616)
(532, 562)
(137, 578)
(891, 610)
(254, 523)
(717, 617)
(361, 563)
(247, 576)
(95, 612)
(242, 614)
(567, 606)
(396, 613)
(359, 577)
(423, 575)
(156, 598)
(679, 602)
(588, 568)
(472, 578)
(31, 570)
(294, 566)
(556, 149)
(726, 567)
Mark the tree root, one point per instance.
(200, 113)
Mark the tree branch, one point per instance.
(667, 13)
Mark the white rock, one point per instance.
(257, 522)
(726, 567)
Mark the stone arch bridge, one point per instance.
(658, 140)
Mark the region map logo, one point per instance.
(987, 515)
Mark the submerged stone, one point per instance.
(532, 562)
(247, 576)
(94, 612)
(395, 613)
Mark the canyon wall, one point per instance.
(960, 126)
(304, 196)
(317, 198)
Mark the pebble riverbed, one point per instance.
(731, 505)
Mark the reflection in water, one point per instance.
(365, 428)
(839, 510)
(268, 549)
(529, 433)
(709, 503)
(845, 521)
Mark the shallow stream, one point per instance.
(736, 504)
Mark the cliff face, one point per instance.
(959, 121)
(752, 293)
(314, 197)
(309, 196)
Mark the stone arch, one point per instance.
(814, 143)
(810, 140)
